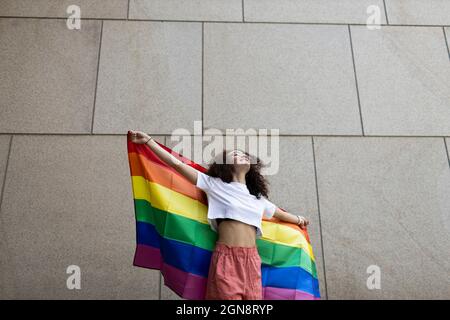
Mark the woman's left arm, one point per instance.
(292, 218)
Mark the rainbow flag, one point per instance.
(173, 234)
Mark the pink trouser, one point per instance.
(234, 274)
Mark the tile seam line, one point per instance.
(446, 42)
(356, 79)
(237, 21)
(447, 152)
(6, 173)
(128, 10)
(96, 79)
(320, 217)
(385, 12)
(280, 135)
(202, 97)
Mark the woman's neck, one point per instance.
(239, 177)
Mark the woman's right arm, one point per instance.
(187, 171)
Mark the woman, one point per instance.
(237, 201)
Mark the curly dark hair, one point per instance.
(256, 183)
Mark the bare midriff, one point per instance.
(236, 233)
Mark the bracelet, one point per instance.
(148, 140)
(298, 223)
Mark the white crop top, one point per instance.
(234, 201)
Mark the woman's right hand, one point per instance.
(138, 137)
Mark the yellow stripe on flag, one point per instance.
(165, 199)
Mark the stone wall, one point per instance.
(364, 118)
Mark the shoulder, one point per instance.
(208, 177)
(267, 202)
(205, 181)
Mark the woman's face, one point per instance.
(239, 158)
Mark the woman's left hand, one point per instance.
(303, 222)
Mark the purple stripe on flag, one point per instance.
(192, 287)
(272, 293)
(147, 257)
(185, 284)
